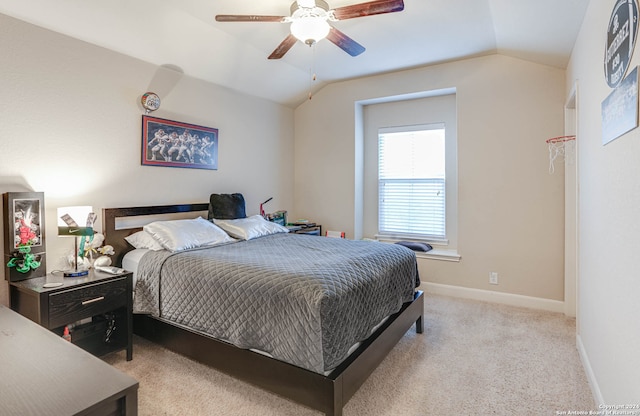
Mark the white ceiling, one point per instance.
(184, 35)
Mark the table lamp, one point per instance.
(68, 219)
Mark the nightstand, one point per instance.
(97, 308)
(305, 228)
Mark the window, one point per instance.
(385, 211)
(411, 182)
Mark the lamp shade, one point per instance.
(310, 29)
(75, 221)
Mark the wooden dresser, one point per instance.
(42, 374)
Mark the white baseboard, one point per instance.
(591, 377)
(496, 297)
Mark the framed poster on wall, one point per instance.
(178, 145)
(620, 109)
(24, 235)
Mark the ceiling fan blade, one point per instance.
(284, 47)
(368, 9)
(344, 42)
(248, 18)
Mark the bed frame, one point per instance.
(327, 394)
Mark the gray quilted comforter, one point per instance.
(303, 299)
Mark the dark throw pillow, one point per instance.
(226, 206)
(415, 246)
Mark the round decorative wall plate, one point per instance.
(150, 101)
(621, 40)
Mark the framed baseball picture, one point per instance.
(178, 145)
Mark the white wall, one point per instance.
(71, 128)
(510, 209)
(609, 227)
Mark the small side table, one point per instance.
(98, 308)
(311, 229)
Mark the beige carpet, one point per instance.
(474, 358)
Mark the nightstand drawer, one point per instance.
(75, 304)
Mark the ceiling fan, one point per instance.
(309, 22)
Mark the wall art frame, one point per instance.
(620, 109)
(178, 145)
(24, 235)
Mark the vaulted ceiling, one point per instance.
(183, 35)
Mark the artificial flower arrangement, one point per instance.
(23, 260)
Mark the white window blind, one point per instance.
(411, 182)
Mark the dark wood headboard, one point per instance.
(115, 237)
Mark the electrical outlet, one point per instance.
(493, 278)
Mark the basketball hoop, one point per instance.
(560, 148)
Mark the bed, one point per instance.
(320, 381)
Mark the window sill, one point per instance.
(443, 254)
(440, 254)
(385, 238)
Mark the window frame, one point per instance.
(424, 107)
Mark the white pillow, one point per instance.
(180, 235)
(250, 227)
(143, 239)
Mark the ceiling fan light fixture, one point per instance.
(310, 19)
(306, 3)
(310, 29)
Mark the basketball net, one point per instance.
(561, 149)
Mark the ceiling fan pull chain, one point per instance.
(312, 72)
